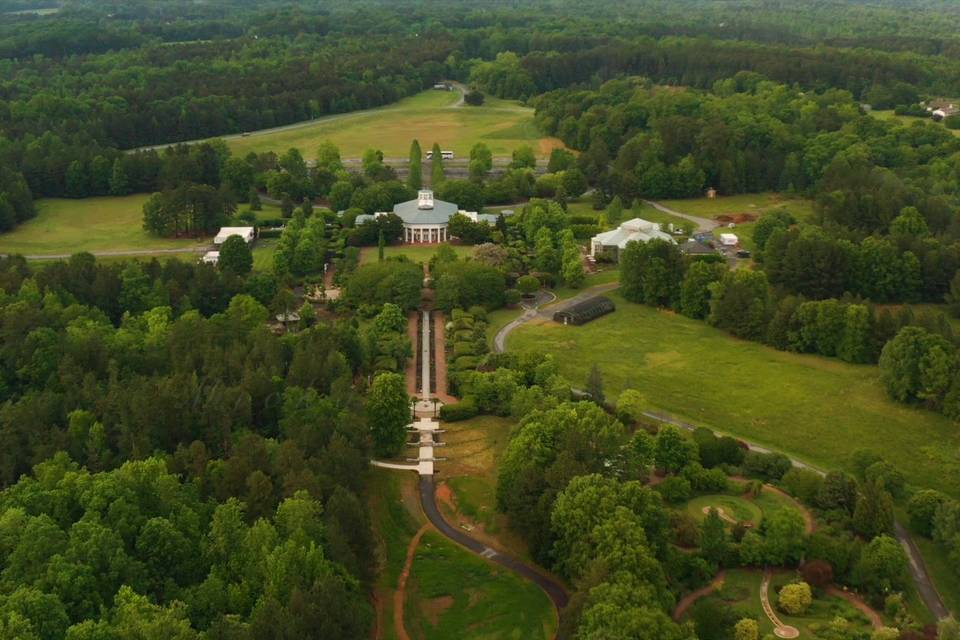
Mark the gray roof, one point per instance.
(695, 247)
(411, 213)
(489, 218)
(363, 217)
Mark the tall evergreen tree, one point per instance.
(595, 385)
(437, 175)
(415, 177)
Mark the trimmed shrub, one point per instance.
(464, 349)
(464, 363)
(795, 598)
(463, 410)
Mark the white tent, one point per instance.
(247, 233)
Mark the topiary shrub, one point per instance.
(463, 410)
(795, 598)
(464, 349)
(464, 363)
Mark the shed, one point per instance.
(211, 257)
(729, 239)
(247, 233)
(585, 311)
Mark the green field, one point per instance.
(416, 253)
(429, 116)
(263, 251)
(459, 595)
(64, 226)
(814, 408)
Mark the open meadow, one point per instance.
(64, 226)
(814, 408)
(455, 594)
(430, 116)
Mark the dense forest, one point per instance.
(170, 464)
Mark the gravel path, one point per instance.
(704, 225)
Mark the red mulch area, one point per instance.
(737, 218)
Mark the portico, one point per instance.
(428, 234)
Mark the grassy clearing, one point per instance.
(459, 595)
(64, 226)
(888, 114)
(814, 408)
(604, 276)
(416, 253)
(263, 251)
(429, 116)
(396, 516)
(497, 319)
(473, 448)
(756, 204)
(740, 509)
(741, 590)
(939, 566)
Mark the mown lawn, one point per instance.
(741, 591)
(814, 408)
(65, 226)
(459, 595)
(473, 449)
(428, 116)
(416, 253)
(263, 251)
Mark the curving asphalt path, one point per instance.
(428, 501)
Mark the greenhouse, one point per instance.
(585, 311)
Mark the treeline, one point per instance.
(743, 303)
(748, 134)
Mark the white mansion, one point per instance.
(425, 219)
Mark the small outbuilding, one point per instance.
(584, 312)
(696, 248)
(247, 233)
(729, 239)
(210, 257)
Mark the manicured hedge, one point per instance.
(463, 410)
(464, 349)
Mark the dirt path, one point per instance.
(779, 629)
(723, 514)
(857, 602)
(400, 595)
(687, 600)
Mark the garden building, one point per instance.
(611, 243)
(585, 311)
(247, 233)
(425, 219)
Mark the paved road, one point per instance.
(428, 501)
(704, 225)
(120, 253)
(928, 592)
